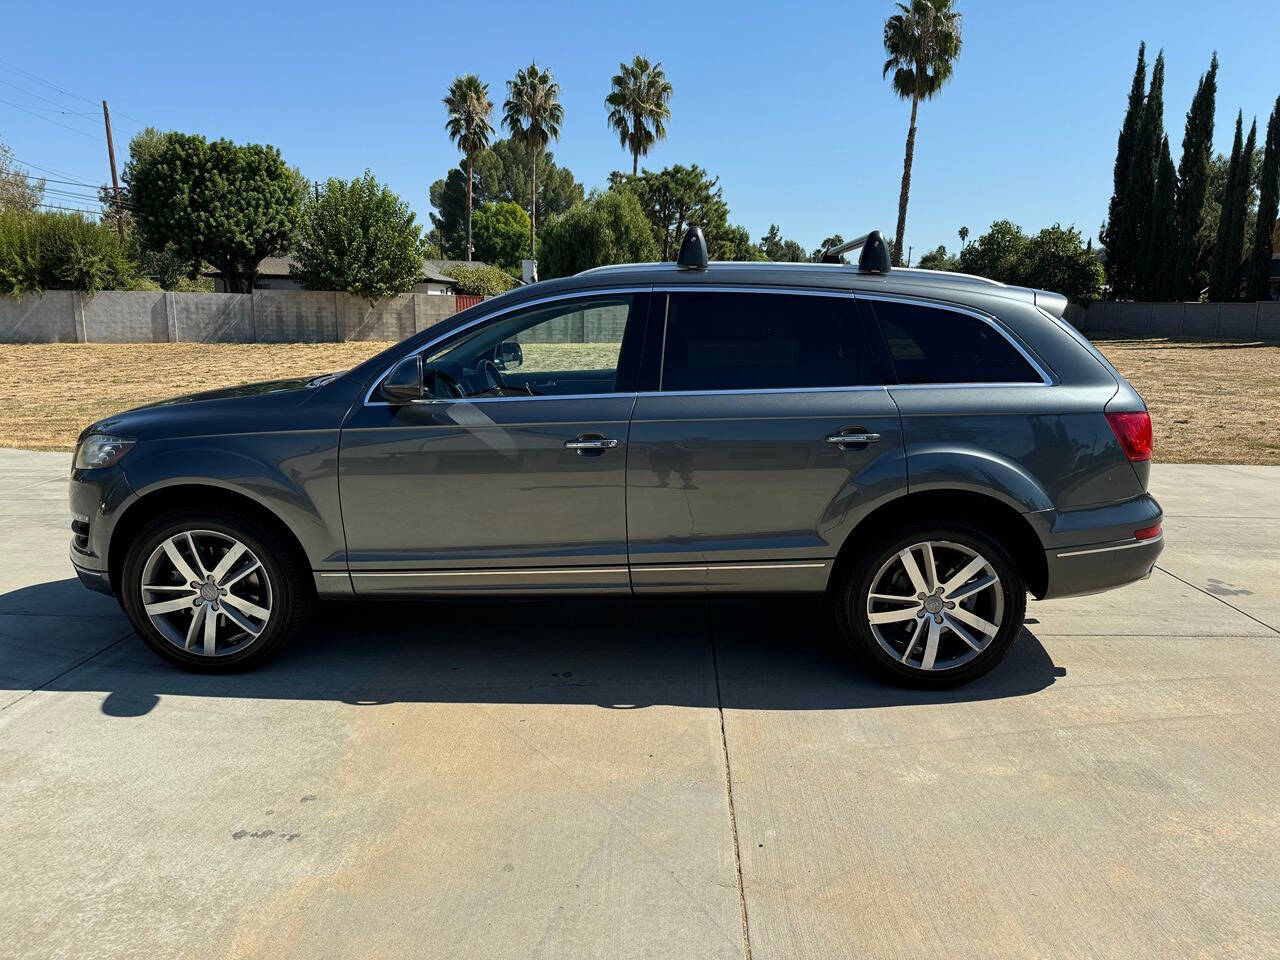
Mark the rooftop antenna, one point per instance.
(874, 257)
(693, 250)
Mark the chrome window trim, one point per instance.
(485, 318)
(992, 322)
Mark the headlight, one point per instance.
(99, 450)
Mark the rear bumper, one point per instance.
(1074, 571)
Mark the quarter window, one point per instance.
(934, 345)
(762, 341)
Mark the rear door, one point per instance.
(763, 433)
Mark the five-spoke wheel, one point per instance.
(212, 592)
(935, 605)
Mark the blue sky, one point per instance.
(784, 102)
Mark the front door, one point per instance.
(769, 433)
(512, 475)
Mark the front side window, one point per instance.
(557, 349)
(762, 341)
(935, 345)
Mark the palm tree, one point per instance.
(638, 106)
(533, 114)
(469, 109)
(923, 41)
(964, 236)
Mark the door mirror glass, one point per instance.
(404, 383)
(510, 355)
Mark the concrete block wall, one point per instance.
(54, 317)
(1224, 321)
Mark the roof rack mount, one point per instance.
(873, 259)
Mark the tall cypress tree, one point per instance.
(1120, 266)
(1224, 219)
(1229, 248)
(1193, 182)
(1141, 193)
(1156, 281)
(1268, 201)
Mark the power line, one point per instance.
(32, 93)
(61, 173)
(69, 183)
(57, 123)
(62, 90)
(54, 206)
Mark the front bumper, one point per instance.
(97, 500)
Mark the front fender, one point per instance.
(294, 475)
(956, 467)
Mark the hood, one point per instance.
(248, 408)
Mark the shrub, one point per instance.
(480, 280)
(60, 251)
(608, 228)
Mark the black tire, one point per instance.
(289, 584)
(852, 606)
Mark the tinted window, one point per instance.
(930, 345)
(760, 341)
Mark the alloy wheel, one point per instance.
(935, 605)
(206, 593)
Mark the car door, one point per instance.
(766, 433)
(510, 476)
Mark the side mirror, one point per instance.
(404, 383)
(510, 355)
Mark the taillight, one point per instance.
(1133, 430)
(1147, 533)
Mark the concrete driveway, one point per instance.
(680, 779)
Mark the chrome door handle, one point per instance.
(842, 438)
(603, 443)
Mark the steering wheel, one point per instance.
(450, 384)
(492, 375)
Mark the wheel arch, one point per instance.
(992, 515)
(193, 497)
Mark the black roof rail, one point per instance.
(873, 259)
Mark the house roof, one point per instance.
(432, 270)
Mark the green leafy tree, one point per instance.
(481, 280)
(503, 173)
(61, 251)
(360, 238)
(675, 198)
(832, 241)
(996, 254)
(533, 114)
(1265, 227)
(18, 190)
(937, 259)
(1224, 277)
(1056, 259)
(780, 250)
(501, 229)
(469, 109)
(218, 202)
(923, 41)
(1193, 184)
(638, 110)
(733, 243)
(610, 227)
(1121, 256)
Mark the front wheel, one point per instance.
(934, 605)
(210, 593)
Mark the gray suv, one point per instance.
(923, 448)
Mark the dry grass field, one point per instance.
(1210, 402)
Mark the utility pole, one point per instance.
(909, 249)
(115, 180)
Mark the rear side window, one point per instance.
(935, 345)
(763, 341)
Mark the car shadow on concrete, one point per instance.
(743, 653)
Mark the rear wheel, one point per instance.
(934, 605)
(211, 594)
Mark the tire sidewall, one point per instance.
(853, 603)
(264, 547)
